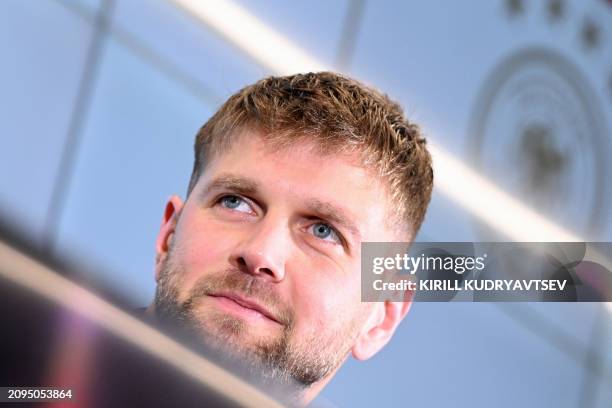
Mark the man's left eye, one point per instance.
(235, 203)
(325, 232)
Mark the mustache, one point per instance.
(245, 285)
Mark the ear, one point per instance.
(378, 330)
(166, 232)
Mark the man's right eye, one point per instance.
(236, 203)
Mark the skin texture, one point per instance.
(278, 232)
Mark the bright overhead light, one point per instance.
(269, 48)
(483, 199)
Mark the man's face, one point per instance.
(265, 256)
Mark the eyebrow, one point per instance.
(226, 181)
(322, 209)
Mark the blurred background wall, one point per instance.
(100, 101)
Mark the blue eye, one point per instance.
(236, 203)
(325, 232)
(322, 231)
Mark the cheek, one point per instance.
(325, 301)
(200, 250)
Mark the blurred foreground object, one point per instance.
(57, 334)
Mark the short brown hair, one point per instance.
(340, 115)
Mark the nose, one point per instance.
(263, 251)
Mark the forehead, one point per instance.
(300, 173)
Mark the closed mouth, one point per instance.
(247, 304)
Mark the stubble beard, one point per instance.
(280, 361)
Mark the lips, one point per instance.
(247, 304)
